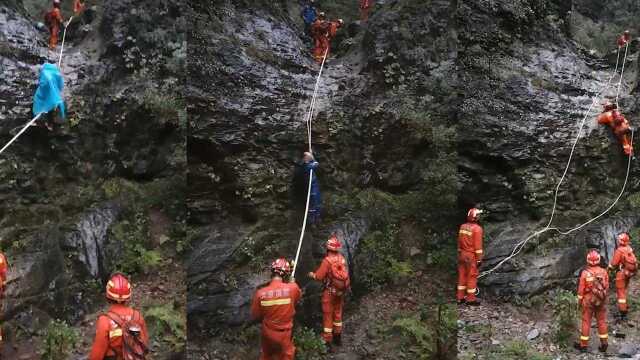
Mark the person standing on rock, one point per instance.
(618, 123)
(593, 287)
(323, 31)
(334, 273)
(48, 99)
(624, 39)
(121, 332)
(309, 16)
(53, 20)
(274, 304)
(625, 263)
(365, 7)
(469, 258)
(315, 198)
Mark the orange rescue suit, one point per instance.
(107, 334)
(585, 285)
(365, 6)
(622, 276)
(469, 255)
(78, 7)
(275, 305)
(332, 299)
(3, 278)
(323, 31)
(54, 21)
(620, 127)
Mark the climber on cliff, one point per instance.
(48, 99)
(309, 15)
(4, 267)
(333, 272)
(274, 304)
(624, 39)
(625, 264)
(365, 7)
(469, 258)
(121, 332)
(323, 31)
(592, 298)
(78, 7)
(618, 123)
(53, 20)
(301, 186)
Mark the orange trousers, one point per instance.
(53, 39)
(467, 276)
(321, 44)
(277, 344)
(600, 313)
(622, 283)
(331, 315)
(625, 140)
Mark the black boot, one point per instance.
(337, 339)
(603, 347)
(474, 302)
(577, 346)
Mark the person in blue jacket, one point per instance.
(315, 200)
(309, 15)
(48, 99)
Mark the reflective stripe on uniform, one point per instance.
(622, 301)
(337, 324)
(461, 287)
(115, 333)
(327, 330)
(466, 232)
(580, 297)
(605, 336)
(478, 251)
(584, 338)
(470, 291)
(275, 302)
(590, 279)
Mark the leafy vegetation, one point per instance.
(516, 350)
(565, 314)
(169, 324)
(59, 340)
(309, 345)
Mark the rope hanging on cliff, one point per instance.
(518, 248)
(622, 72)
(309, 118)
(24, 128)
(64, 35)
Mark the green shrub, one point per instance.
(517, 350)
(416, 336)
(309, 345)
(59, 340)
(379, 259)
(133, 235)
(446, 331)
(168, 324)
(565, 314)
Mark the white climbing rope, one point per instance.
(309, 117)
(518, 248)
(622, 72)
(64, 35)
(24, 128)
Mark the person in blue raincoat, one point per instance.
(315, 200)
(309, 15)
(48, 99)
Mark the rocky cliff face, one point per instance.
(62, 191)
(250, 82)
(529, 85)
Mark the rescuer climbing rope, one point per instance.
(518, 248)
(309, 119)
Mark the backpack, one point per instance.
(629, 261)
(598, 291)
(338, 274)
(127, 341)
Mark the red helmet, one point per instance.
(281, 267)
(333, 243)
(593, 258)
(473, 215)
(623, 239)
(118, 288)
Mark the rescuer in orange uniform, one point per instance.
(4, 266)
(274, 304)
(624, 261)
(334, 273)
(624, 39)
(120, 318)
(469, 258)
(323, 31)
(78, 7)
(365, 7)
(53, 20)
(592, 297)
(618, 123)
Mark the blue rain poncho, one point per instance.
(48, 96)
